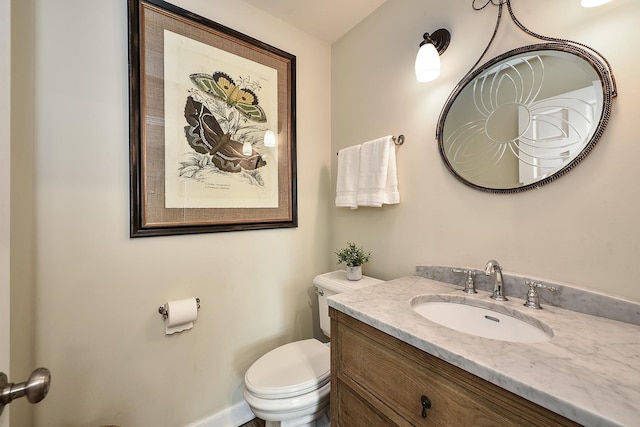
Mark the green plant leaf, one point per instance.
(353, 255)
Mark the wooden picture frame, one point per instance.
(202, 99)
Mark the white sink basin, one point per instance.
(481, 318)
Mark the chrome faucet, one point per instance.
(493, 269)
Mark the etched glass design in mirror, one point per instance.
(525, 118)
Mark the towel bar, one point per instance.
(398, 141)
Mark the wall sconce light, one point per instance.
(269, 138)
(428, 58)
(247, 149)
(593, 3)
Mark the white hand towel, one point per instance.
(347, 179)
(378, 180)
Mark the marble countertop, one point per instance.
(589, 371)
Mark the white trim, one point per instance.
(234, 416)
(5, 189)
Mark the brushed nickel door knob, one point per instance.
(35, 388)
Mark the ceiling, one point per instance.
(326, 19)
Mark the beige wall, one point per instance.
(96, 290)
(582, 229)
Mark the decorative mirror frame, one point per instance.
(592, 57)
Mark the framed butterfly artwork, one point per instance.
(212, 126)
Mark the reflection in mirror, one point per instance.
(527, 116)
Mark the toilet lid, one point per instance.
(290, 370)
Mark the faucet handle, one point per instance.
(533, 300)
(468, 272)
(469, 287)
(533, 285)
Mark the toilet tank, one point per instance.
(332, 283)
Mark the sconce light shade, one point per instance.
(247, 149)
(593, 3)
(428, 58)
(269, 138)
(427, 63)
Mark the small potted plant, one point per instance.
(353, 257)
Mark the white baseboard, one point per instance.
(234, 416)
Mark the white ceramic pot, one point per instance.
(354, 273)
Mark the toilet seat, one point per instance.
(289, 408)
(291, 370)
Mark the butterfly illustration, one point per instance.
(205, 136)
(222, 87)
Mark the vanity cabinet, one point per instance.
(378, 380)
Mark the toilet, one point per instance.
(289, 386)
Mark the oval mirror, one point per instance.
(525, 118)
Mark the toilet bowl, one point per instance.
(289, 386)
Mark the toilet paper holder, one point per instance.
(164, 309)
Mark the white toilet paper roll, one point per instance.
(181, 314)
